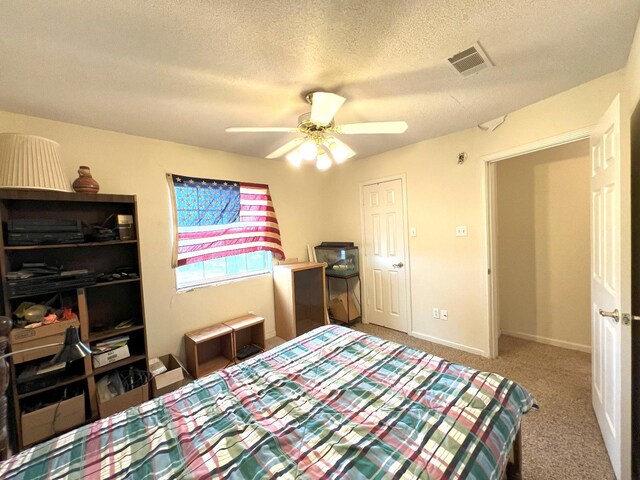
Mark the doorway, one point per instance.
(611, 258)
(542, 244)
(386, 253)
(492, 162)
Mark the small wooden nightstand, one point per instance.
(247, 330)
(216, 347)
(209, 349)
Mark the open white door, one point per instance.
(611, 337)
(385, 256)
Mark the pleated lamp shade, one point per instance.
(28, 161)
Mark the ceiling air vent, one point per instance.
(470, 61)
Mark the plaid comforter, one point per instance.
(333, 403)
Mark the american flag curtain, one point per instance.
(221, 218)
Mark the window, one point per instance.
(224, 230)
(220, 269)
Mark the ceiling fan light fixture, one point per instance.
(339, 150)
(294, 158)
(323, 162)
(317, 127)
(308, 150)
(339, 158)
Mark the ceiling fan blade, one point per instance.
(286, 148)
(261, 129)
(324, 106)
(372, 127)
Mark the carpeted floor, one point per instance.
(562, 439)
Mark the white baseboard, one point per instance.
(548, 341)
(447, 343)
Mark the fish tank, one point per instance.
(341, 258)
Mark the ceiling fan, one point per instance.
(318, 141)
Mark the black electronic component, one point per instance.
(43, 238)
(247, 351)
(50, 283)
(27, 225)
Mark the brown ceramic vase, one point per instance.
(85, 183)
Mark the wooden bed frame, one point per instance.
(514, 467)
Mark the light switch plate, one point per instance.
(444, 315)
(461, 231)
(413, 232)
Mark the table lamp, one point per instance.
(32, 162)
(72, 349)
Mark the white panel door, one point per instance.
(384, 251)
(611, 339)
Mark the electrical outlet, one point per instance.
(461, 231)
(436, 313)
(444, 315)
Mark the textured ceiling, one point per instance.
(185, 70)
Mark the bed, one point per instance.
(333, 403)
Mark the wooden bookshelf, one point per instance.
(99, 307)
(17, 248)
(115, 332)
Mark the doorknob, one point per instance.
(398, 265)
(615, 314)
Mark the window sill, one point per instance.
(190, 288)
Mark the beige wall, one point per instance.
(446, 272)
(135, 165)
(449, 272)
(543, 245)
(632, 74)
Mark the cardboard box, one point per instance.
(102, 359)
(175, 377)
(35, 354)
(120, 403)
(338, 307)
(53, 419)
(21, 335)
(25, 338)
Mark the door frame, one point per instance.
(407, 270)
(490, 192)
